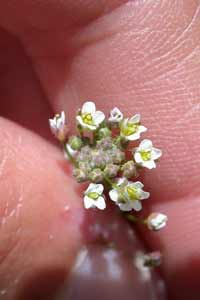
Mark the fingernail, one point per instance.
(108, 270)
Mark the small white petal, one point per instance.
(149, 164)
(145, 145)
(138, 185)
(113, 195)
(52, 124)
(133, 137)
(88, 108)
(142, 129)
(135, 119)
(98, 188)
(84, 125)
(90, 188)
(125, 206)
(156, 153)
(137, 205)
(63, 116)
(138, 157)
(144, 195)
(98, 117)
(88, 202)
(100, 203)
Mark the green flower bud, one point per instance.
(104, 132)
(75, 142)
(111, 170)
(96, 175)
(80, 175)
(129, 169)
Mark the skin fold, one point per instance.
(142, 56)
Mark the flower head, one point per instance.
(156, 221)
(58, 126)
(116, 115)
(94, 196)
(146, 154)
(130, 129)
(128, 195)
(89, 118)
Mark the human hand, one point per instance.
(139, 55)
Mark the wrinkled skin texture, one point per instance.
(142, 56)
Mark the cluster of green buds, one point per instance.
(99, 155)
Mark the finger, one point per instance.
(22, 97)
(38, 236)
(142, 57)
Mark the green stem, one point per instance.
(134, 219)
(80, 130)
(73, 161)
(110, 182)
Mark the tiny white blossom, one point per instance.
(130, 129)
(58, 126)
(128, 195)
(116, 115)
(156, 221)
(146, 154)
(89, 118)
(94, 196)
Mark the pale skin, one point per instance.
(142, 56)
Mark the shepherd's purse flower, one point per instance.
(116, 115)
(128, 195)
(94, 196)
(145, 155)
(58, 126)
(130, 129)
(89, 118)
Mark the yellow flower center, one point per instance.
(146, 155)
(87, 119)
(93, 195)
(130, 129)
(133, 193)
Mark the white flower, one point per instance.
(145, 154)
(156, 221)
(89, 118)
(131, 128)
(93, 196)
(116, 115)
(127, 195)
(58, 126)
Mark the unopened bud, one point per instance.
(111, 170)
(104, 132)
(96, 175)
(118, 157)
(156, 221)
(129, 169)
(75, 142)
(80, 175)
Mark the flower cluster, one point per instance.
(99, 154)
